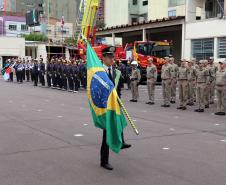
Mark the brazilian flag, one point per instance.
(103, 101)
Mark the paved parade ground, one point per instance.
(47, 138)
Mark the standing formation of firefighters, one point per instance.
(196, 81)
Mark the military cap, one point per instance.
(108, 51)
(166, 58)
(222, 62)
(201, 62)
(211, 58)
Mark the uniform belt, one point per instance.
(201, 82)
(182, 79)
(151, 78)
(133, 79)
(220, 85)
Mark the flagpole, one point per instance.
(128, 116)
(122, 105)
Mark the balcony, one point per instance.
(208, 9)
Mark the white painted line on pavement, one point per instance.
(134, 120)
(217, 124)
(223, 140)
(39, 110)
(78, 135)
(59, 116)
(144, 111)
(165, 148)
(85, 124)
(172, 129)
(176, 117)
(62, 104)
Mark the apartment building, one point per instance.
(55, 8)
(119, 12)
(201, 35)
(206, 37)
(13, 26)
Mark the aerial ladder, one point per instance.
(86, 21)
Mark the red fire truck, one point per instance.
(140, 51)
(157, 50)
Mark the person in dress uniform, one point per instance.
(48, 73)
(108, 60)
(27, 70)
(151, 80)
(35, 72)
(221, 89)
(135, 80)
(41, 72)
(75, 75)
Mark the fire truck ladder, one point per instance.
(78, 24)
(87, 19)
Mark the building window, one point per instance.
(202, 48)
(214, 8)
(222, 47)
(12, 27)
(173, 3)
(145, 3)
(134, 20)
(172, 13)
(24, 27)
(134, 2)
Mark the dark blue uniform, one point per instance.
(75, 70)
(48, 74)
(70, 77)
(54, 74)
(42, 73)
(35, 73)
(59, 75)
(64, 76)
(83, 74)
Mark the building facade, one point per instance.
(119, 12)
(13, 26)
(202, 33)
(206, 37)
(55, 8)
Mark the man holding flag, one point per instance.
(104, 102)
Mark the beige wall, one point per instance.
(224, 7)
(116, 12)
(157, 9)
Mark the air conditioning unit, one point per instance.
(141, 19)
(220, 15)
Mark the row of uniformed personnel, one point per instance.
(58, 73)
(196, 81)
